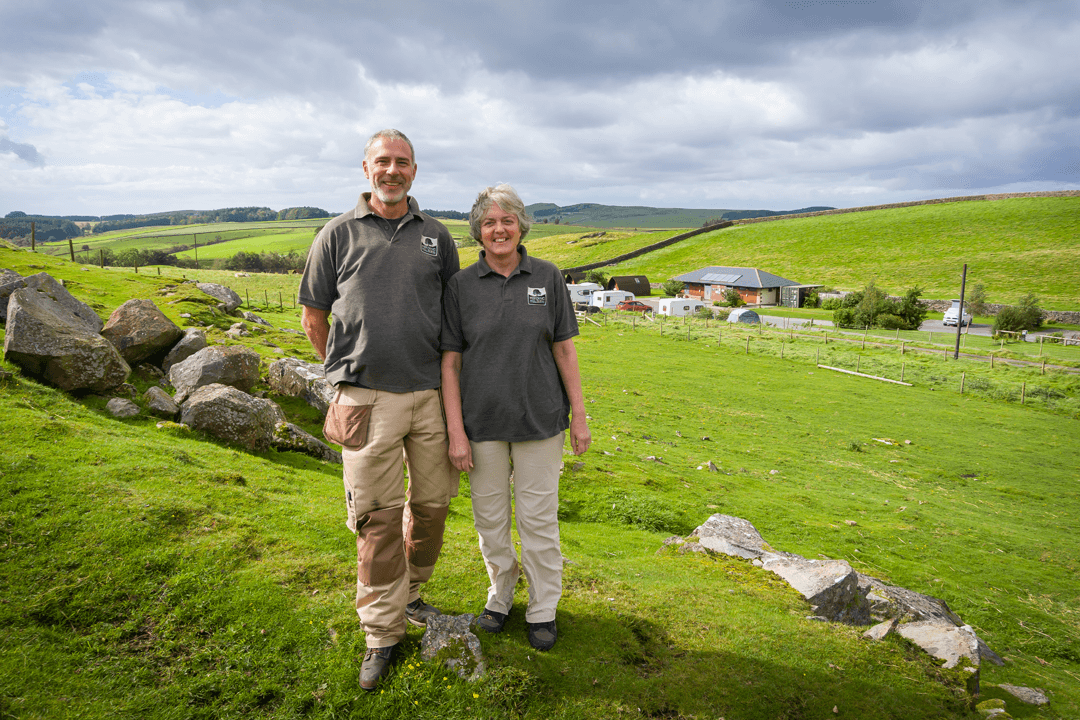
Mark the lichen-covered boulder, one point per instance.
(51, 343)
(291, 437)
(450, 639)
(219, 292)
(10, 281)
(232, 415)
(160, 403)
(46, 284)
(140, 331)
(193, 341)
(232, 365)
(307, 381)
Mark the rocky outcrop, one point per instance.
(291, 437)
(233, 365)
(193, 341)
(230, 414)
(140, 331)
(227, 297)
(837, 593)
(50, 342)
(449, 638)
(307, 381)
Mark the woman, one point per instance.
(511, 388)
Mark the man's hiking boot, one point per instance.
(542, 635)
(491, 621)
(417, 612)
(375, 666)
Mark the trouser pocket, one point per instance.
(347, 425)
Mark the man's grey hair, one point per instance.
(506, 198)
(390, 134)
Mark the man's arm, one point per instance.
(316, 324)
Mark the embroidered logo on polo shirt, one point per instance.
(429, 245)
(537, 296)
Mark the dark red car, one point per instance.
(633, 306)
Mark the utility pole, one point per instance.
(960, 320)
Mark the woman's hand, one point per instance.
(460, 452)
(580, 437)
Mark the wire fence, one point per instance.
(1010, 374)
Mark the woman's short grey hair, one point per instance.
(390, 134)
(506, 198)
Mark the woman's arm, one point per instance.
(460, 450)
(566, 360)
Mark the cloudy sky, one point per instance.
(128, 106)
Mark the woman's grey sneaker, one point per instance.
(542, 636)
(375, 666)
(491, 621)
(417, 612)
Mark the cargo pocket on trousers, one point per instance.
(347, 425)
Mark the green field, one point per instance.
(1012, 247)
(152, 573)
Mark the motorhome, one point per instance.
(952, 315)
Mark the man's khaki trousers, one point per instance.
(399, 533)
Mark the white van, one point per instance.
(608, 299)
(679, 306)
(952, 315)
(582, 292)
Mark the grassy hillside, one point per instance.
(1012, 246)
(170, 576)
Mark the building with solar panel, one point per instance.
(755, 287)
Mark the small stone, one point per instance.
(122, 408)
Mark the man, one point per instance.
(379, 272)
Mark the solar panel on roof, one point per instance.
(718, 278)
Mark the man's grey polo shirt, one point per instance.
(504, 328)
(382, 280)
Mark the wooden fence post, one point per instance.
(1023, 392)
(962, 383)
(902, 371)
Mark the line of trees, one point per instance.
(872, 307)
(15, 227)
(270, 262)
(202, 217)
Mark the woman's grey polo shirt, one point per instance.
(504, 328)
(383, 282)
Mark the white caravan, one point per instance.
(679, 306)
(609, 298)
(582, 293)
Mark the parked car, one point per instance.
(952, 315)
(633, 306)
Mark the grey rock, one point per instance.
(450, 639)
(50, 342)
(231, 414)
(253, 318)
(290, 437)
(229, 365)
(150, 371)
(881, 630)
(122, 408)
(307, 381)
(830, 586)
(693, 547)
(126, 389)
(732, 536)
(228, 298)
(140, 331)
(193, 341)
(1031, 696)
(46, 284)
(160, 403)
(945, 642)
(10, 281)
(887, 601)
(236, 332)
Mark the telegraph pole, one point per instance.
(960, 320)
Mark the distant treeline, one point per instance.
(16, 228)
(448, 214)
(247, 261)
(203, 217)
